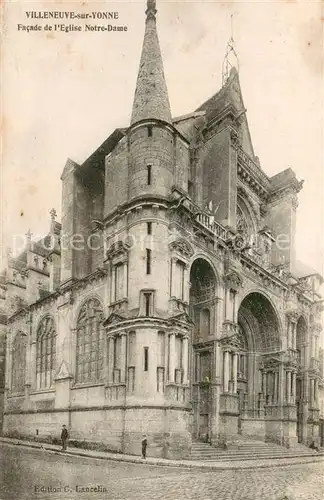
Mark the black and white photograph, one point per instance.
(161, 250)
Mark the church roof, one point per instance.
(302, 270)
(19, 263)
(151, 98)
(96, 159)
(230, 96)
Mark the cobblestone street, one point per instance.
(40, 475)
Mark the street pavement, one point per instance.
(34, 474)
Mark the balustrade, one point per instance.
(209, 223)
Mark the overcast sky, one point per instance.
(64, 93)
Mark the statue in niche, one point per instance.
(242, 226)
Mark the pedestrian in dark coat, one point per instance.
(144, 446)
(64, 437)
(313, 446)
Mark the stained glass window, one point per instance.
(45, 353)
(18, 362)
(90, 343)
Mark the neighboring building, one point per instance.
(186, 315)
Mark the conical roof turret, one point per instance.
(151, 98)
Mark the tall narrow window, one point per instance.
(90, 342)
(148, 304)
(149, 175)
(190, 189)
(115, 353)
(179, 278)
(148, 260)
(119, 281)
(45, 353)
(161, 349)
(149, 227)
(131, 348)
(146, 360)
(117, 359)
(232, 299)
(205, 323)
(149, 130)
(18, 363)
(178, 359)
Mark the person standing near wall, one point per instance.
(64, 437)
(144, 446)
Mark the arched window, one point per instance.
(90, 343)
(18, 363)
(301, 334)
(245, 223)
(242, 360)
(45, 353)
(205, 323)
(202, 295)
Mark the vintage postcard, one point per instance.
(161, 275)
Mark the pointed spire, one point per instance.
(231, 59)
(151, 98)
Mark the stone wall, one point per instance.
(253, 428)
(119, 430)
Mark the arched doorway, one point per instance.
(242, 371)
(258, 353)
(301, 383)
(203, 314)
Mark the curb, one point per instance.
(163, 463)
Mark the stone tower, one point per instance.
(152, 157)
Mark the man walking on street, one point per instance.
(64, 437)
(144, 446)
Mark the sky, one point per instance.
(64, 93)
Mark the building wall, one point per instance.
(155, 395)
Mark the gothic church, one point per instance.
(165, 302)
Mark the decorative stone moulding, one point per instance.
(293, 315)
(118, 249)
(317, 328)
(182, 247)
(234, 138)
(233, 280)
(230, 331)
(238, 242)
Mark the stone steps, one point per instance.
(249, 450)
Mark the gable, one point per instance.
(234, 89)
(230, 96)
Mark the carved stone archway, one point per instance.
(260, 324)
(203, 310)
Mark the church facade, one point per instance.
(169, 300)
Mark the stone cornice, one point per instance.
(118, 250)
(250, 178)
(182, 247)
(125, 406)
(140, 201)
(169, 324)
(266, 276)
(291, 187)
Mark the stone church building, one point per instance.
(169, 300)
